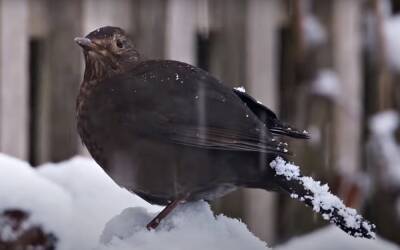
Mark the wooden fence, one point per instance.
(261, 44)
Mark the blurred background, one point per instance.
(330, 67)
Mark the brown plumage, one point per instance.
(171, 132)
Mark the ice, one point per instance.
(332, 238)
(77, 202)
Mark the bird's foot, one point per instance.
(153, 224)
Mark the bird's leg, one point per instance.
(168, 209)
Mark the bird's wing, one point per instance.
(224, 139)
(267, 116)
(182, 104)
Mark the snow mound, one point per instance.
(95, 196)
(77, 202)
(190, 226)
(47, 203)
(332, 238)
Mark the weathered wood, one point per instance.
(58, 139)
(38, 25)
(149, 19)
(263, 22)
(181, 31)
(384, 79)
(98, 13)
(14, 116)
(347, 63)
(227, 62)
(227, 56)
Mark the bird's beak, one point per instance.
(85, 43)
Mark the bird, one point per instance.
(172, 133)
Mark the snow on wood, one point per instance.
(324, 202)
(392, 34)
(240, 89)
(383, 127)
(314, 32)
(326, 84)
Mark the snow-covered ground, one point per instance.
(332, 238)
(77, 202)
(85, 209)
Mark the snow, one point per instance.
(321, 197)
(326, 84)
(191, 226)
(85, 209)
(384, 123)
(22, 187)
(314, 32)
(240, 89)
(383, 127)
(332, 238)
(392, 35)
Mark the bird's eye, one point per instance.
(119, 44)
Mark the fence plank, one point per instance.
(263, 20)
(98, 13)
(347, 63)
(14, 78)
(180, 30)
(57, 137)
(149, 19)
(227, 56)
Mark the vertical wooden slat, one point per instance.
(57, 137)
(14, 78)
(181, 30)
(149, 19)
(261, 72)
(98, 13)
(347, 63)
(38, 25)
(227, 57)
(227, 62)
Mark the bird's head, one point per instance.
(108, 51)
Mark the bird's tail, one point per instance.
(281, 128)
(317, 196)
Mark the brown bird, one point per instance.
(172, 133)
